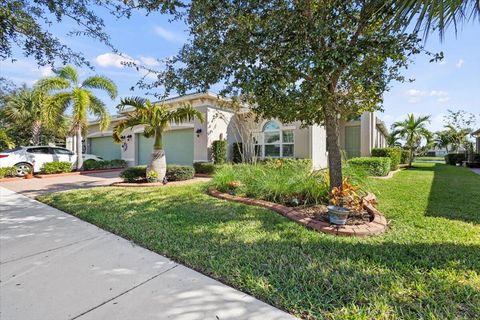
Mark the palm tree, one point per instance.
(442, 140)
(29, 106)
(458, 137)
(81, 99)
(393, 141)
(156, 119)
(412, 130)
(436, 15)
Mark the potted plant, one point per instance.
(152, 176)
(343, 201)
(28, 174)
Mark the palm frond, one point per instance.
(69, 73)
(98, 108)
(135, 102)
(52, 83)
(102, 83)
(186, 113)
(122, 125)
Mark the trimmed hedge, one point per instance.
(56, 167)
(373, 166)
(454, 158)
(8, 172)
(134, 174)
(219, 151)
(404, 156)
(91, 164)
(179, 173)
(174, 173)
(204, 167)
(395, 155)
(303, 163)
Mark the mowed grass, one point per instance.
(426, 267)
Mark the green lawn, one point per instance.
(427, 266)
(429, 159)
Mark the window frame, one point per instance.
(280, 130)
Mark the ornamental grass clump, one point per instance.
(291, 184)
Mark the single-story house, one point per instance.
(190, 142)
(476, 134)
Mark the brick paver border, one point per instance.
(377, 226)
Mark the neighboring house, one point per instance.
(186, 143)
(476, 134)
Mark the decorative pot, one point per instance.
(338, 215)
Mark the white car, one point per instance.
(27, 158)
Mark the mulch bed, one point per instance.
(314, 217)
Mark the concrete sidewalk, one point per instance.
(55, 266)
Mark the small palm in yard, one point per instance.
(29, 106)
(81, 99)
(156, 119)
(412, 130)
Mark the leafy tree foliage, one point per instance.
(310, 61)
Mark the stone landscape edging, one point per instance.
(375, 227)
(388, 176)
(74, 173)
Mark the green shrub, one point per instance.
(219, 151)
(178, 173)
(8, 172)
(237, 152)
(287, 184)
(373, 166)
(404, 156)
(91, 164)
(204, 167)
(56, 167)
(134, 174)
(454, 158)
(394, 154)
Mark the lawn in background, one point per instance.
(427, 266)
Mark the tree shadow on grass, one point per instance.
(455, 193)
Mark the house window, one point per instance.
(275, 142)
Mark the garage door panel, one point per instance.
(105, 148)
(178, 146)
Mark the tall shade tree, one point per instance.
(79, 98)
(412, 130)
(310, 61)
(156, 118)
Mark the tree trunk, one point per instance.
(36, 131)
(410, 158)
(158, 162)
(334, 155)
(79, 148)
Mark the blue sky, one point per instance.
(453, 83)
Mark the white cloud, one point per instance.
(460, 63)
(149, 61)
(44, 71)
(415, 95)
(112, 60)
(165, 34)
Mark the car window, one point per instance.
(39, 150)
(62, 151)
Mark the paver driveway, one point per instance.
(35, 187)
(54, 266)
